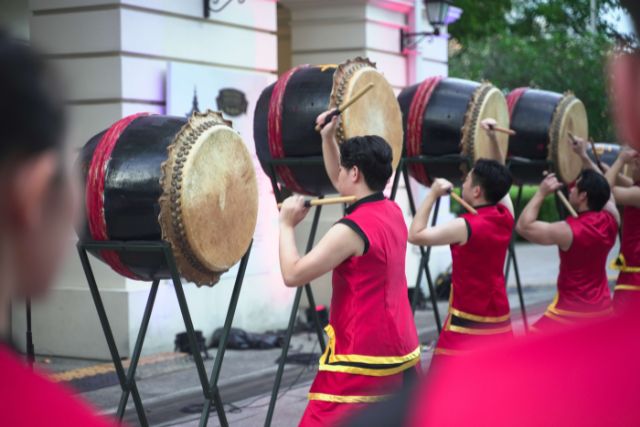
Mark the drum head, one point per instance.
(488, 102)
(376, 113)
(209, 207)
(570, 117)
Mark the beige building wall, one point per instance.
(114, 55)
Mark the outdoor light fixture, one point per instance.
(437, 13)
(215, 7)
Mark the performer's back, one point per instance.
(479, 308)
(583, 290)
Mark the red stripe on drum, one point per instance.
(514, 97)
(415, 123)
(94, 192)
(274, 129)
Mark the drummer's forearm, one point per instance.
(496, 150)
(289, 255)
(612, 174)
(623, 181)
(529, 214)
(421, 218)
(331, 156)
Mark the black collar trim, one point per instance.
(375, 197)
(487, 205)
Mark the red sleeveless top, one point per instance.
(478, 289)
(372, 331)
(582, 281)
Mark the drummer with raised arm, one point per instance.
(373, 347)
(478, 308)
(583, 244)
(626, 191)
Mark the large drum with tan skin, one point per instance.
(442, 116)
(188, 182)
(543, 121)
(285, 118)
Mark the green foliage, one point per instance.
(558, 63)
(525, 18)
(539, 43)
(480, 19)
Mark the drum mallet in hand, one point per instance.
(344, 106)
(564, 200)
(509, 132)
(593, 148)
(327, 201)
(464, 204)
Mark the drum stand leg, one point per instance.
(396, 180)
(425, 256)
(292, 321)
(31, 352)
(511, 257)
(212, 385)
(127, 380)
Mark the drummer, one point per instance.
(479, 309)
(373, 345)
(583, 242)
(627, 193)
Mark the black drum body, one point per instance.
(607, 152)
(442, 123)
(132, 189)
(286, 112)
(295, 101)
(188, 182)
(543, 121)
(531, 119)
(441, 117)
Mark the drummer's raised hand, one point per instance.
(578, 145)
(293, 211)
(441, 187)
(628, 154)
(328, 130)
(489, 125)
(549, 184)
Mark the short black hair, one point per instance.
(494, 179)
(372, 155)
(596, 187)
(31, 112)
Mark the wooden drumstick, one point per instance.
(464, 204)
(503, 130)
(564, 200)
(327, 201)
(566, 204)
(596, 155)
(593, 148)
(344, 106)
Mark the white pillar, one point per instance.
(114, 56)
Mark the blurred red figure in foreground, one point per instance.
(36, 215)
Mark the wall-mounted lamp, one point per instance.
(437, 14)
(215, 7)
